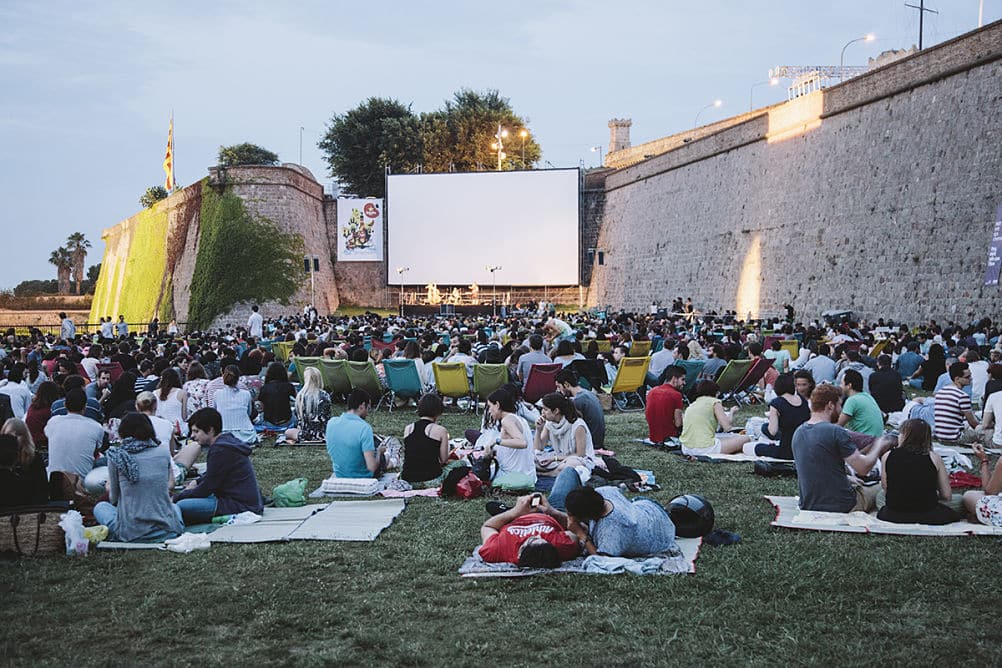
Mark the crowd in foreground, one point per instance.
(142, 410)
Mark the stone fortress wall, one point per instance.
(876, 195)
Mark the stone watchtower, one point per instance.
(619, 134)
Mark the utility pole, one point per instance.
(922, 10)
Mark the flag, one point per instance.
(169, 157)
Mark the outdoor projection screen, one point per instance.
(448, 227)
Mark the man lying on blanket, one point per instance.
(528, 535)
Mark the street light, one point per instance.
(841, 60)
(599, 149)
(714, 104)
(494, 278)
(499, 144)
(400, 272)
(772, 82)
(523, 133)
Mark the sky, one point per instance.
(89, 87)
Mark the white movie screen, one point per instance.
(447, 228)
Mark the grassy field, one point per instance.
(779, 597)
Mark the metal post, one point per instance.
(301, 128)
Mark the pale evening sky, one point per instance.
(88, 87)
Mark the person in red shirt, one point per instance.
(530, 536)
(665, 406)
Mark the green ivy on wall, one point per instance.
(241, 257)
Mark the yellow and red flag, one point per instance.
(169, 157)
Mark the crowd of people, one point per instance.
(116, 422)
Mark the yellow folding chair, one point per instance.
(629, 379)
(792, 346)
(640, 348)
(603, 345)
(879, 347)
(282, 349)
(451, 380)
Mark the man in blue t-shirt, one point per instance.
(350, 443)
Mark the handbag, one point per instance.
(32, 530)
(470, 487)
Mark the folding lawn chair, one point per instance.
(451, 380)
(486, 379)
(878, 347)
(692, 370)
(640, 348)
(591, 374)
(732, 374)
(630, 377)
(603, 345)
(363, 376)
(302, 363)
(403, 380)
(792, 346)
(335, 377)
(282, 350)
(540, 381)
(741, 391)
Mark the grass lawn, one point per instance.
(779, 597)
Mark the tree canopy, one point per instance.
(246, 154)
(152, 195)
(360, 143)
(380, 133)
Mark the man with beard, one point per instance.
(821, 451)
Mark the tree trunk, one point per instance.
(64, 280)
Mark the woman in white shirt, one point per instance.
(235, 406)
(172, 401)
(561, 428)
(512, 437)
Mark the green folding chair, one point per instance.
(486, 379)
(363, 376)
(335, 377)
(303, 362)
(732, 375)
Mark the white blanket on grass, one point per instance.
(682, 562)
(790, 516)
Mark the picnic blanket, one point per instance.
(790, 516)
(684, 561)
(352, 487)
(738, 457)
(340, 520)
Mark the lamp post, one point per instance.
(841, 60)
(400, 272)
(523, 133)
(494, 279)
(599, 149)
(772, 82)
(714, 104)
(301, 128)
(499, 144)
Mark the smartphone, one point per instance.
(536, 498)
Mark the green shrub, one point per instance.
(241, 257)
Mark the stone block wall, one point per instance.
(877, 195)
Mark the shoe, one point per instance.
(496, 507)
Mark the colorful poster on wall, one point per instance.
(359, 230)
(995, 251)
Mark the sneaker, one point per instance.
(496, 507)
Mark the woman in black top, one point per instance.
(426, 443)
(993, 385)
(915, 479)
(932, 368)
(276, 398)
(22, 471)
(787, 411)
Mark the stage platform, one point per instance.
(446, 310)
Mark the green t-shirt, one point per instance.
(865, 414)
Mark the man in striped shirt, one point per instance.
(953, 409)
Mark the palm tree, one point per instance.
(77, 245)
(63, 260)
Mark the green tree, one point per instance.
(265, 265)
(461, 135)
(63, 261)
(359, 144)
(246, 154)
(152, 195)
(77, 245)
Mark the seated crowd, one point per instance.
(116, 426)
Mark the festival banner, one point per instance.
(359, 230)
(995, 251)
